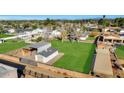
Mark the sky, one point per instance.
(43, 17)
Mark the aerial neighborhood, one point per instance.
(62, 48)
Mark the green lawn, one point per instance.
(5, 35)
(91, 38)
(77, 56)
(11, 45)
(120, 52)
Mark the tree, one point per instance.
(104, 22)
(104, 16)
(63, 35)
(83, 28)
(39, 39)
(34, 26)
(1, 29)
(26, 25)
(119, 22)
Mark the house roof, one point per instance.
(122, 34)
(2, 69)
(48, 52)
(84, 34)
(5, 69)
(37, 45)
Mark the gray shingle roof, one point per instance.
(37, 45)
(48, 52)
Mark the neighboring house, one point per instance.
(24, 35)
(42, 52)
(122, 34)
(56, 33)
(78, 29)
(38, 30)
(11, 30)
(23, 30)
(106, 29)
(91, 27)
(84, 36)
(113, 40)
(7, 71)
(111, 29)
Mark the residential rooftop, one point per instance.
(48, 52)
(37, 45)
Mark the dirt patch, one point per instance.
(121, 61)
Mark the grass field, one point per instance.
(11, 45)
(5, 35)
(120, 52)
(77, 56)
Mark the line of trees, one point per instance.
(111, 22)
(24, 24)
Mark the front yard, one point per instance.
(77, 56)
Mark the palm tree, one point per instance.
(104, 16)
(104, 22)
(63, 35)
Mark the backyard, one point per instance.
(77, 56)
(11, 45)
(120, 52)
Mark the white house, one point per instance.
(56, 33)
(11, 30)
(24, 35)
(78, 29)
(122, 34)
(38, 30)
(84, 36)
